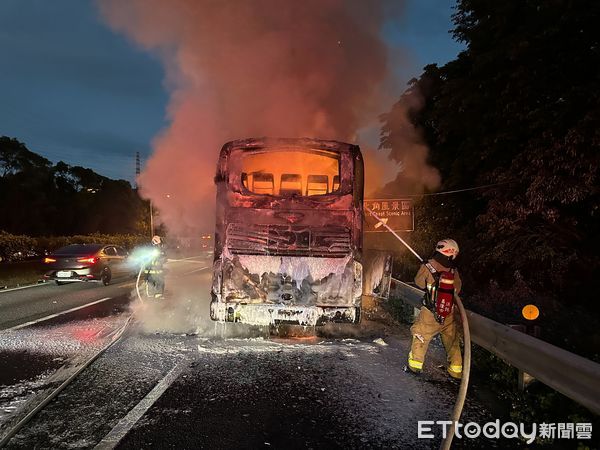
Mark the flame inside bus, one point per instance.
(291, 172)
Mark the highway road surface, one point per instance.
(178, 380)
(28, 304)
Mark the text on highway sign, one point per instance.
(397, 213)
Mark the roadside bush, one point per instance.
(17, 247)
(538, 403)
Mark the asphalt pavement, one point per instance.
(188, 392)
(24, 305)
(29, 304)
(179, 380)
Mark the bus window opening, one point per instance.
(317, 185)
(291, 184)
(262, 183)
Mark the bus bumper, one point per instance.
(269, 314)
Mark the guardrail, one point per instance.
(574, 376)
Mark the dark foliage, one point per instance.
(38, 198)
(520, 107)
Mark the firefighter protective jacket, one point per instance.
(424, 278)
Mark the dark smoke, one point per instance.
(237, 69)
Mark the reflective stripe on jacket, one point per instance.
(424, 279)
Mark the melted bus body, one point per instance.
(288, 237)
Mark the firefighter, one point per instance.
(155, 271)
(441, 281)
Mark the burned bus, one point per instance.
(288, 237)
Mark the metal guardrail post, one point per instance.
(572, 375)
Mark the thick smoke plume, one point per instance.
(239, 69)
(407, 148)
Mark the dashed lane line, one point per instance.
(195, 270)
(52, 316)
(187, 259)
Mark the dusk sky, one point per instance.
(73, 90)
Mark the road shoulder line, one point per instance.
(52, 316)
(124, 426)
(23, 287)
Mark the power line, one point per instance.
(485, 186)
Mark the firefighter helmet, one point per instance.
(447, 247)
(156, 240)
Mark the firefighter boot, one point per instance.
(451, 341)
(414, 365)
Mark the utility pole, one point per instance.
(137, 168)
(151, 220)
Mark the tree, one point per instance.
(518, 108)
(15, 157)
(41, 199)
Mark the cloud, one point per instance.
(72, 90)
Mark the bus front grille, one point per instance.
(293, 240)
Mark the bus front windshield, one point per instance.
(288, 172)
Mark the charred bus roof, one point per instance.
(345, 151)
(252, 144)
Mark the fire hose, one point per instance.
(137, 282)
(464, 384)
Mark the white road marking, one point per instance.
(23, 287)
(195, 270)
(52, 316)
(185, 259)
(120, 430)
(187, 262)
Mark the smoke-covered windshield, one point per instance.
(291, 172)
